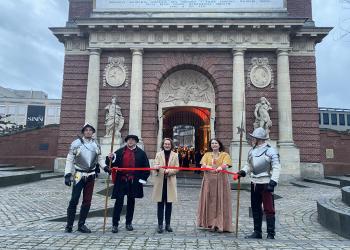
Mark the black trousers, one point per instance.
(164, 204)
(260, 197)
(130, 206)
(87, 186)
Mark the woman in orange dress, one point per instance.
(215, 203)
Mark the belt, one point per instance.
(85, 171)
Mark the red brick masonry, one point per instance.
(340, 143)
(36, 147)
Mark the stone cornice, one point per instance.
(198, 38)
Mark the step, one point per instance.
(345, 193)
(344, 180)
(50, 175)
(8, 178)
(13, 169)
(334, 215)
(326, 182)
(347, 175)
(7, 165)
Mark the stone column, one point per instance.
(289, 153)
(238, 94)
(135, 119)
(93, 88)
(238, 108)
(285, 123)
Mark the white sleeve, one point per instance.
(275, 164)
(69, 164)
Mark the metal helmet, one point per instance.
(259, 133)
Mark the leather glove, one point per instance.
(241, 173)
(67, 179)
(107, 170)
(271, 186)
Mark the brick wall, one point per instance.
(122, 93)
(36, 147)
(305, 107)
(253, 94)
(79, 9)
(73, 100)
(299, 8)
(340, 143)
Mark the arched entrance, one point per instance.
(188, 126)
(187, 98)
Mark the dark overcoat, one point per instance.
(120, 187)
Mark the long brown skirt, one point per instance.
(215, 204)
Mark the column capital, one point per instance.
(238, 51)
(94, 51)
(137, 51)
(283, 51)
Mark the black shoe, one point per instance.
(270, 236)
(254, 235)
(160, 229)
(129, 227)
(68, 229)
(115, 229)
(168, 228)
(84, 229)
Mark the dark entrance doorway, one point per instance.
(187, 126)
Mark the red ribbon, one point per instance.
(115, 169)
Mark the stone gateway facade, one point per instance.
(199, 63)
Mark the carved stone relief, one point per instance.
(116, 73)
(185, 86)
(260, 73)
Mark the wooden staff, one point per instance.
(240, 132)
(110, 166)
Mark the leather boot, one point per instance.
(84, 211)
(68, 229)
(84, 229)
(257, 234)
(115, 229)
(168, 228)
(254, 235)
(270, 226)
(70, 219)
(160, 229)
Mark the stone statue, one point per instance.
(113, 113)
(261, 113)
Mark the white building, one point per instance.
(333, 118)
(16, 103)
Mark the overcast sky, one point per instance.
(32, 58)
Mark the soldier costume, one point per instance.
(83, 160)
(264, 166)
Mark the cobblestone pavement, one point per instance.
(26, 211)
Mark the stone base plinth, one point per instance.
(105, 143)
(290, 162)
(311, 170)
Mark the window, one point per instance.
(319, 118)
(325, 118)
(342, 119)
(334, 119)
(348, 119)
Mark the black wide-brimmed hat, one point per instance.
(132, 137)
(87, 125)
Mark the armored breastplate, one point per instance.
(86, 155)
(259, 161)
